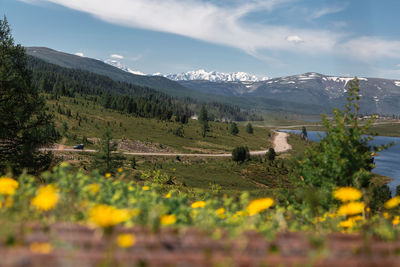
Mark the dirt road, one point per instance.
(280, 142)
(280, 145)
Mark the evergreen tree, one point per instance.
(24, 124)
(249, 128)
(241, 154)
(203, 119)
(270, 154)
(304, 134)
(107, 161)
(234, 129)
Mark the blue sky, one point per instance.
(263, 37)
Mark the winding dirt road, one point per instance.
(280, 145)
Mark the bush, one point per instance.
(241, 154)
(249, 128)
(271, 154)
(234, 129)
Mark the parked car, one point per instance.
(80, 146)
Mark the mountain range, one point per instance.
(215, 76)
(308, 93)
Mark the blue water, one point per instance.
(387, 162)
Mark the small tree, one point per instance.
(304, 134)
(234, 129)
(249, 128)
(343, 157)
(107, 161)
(270, 155)
(241, 154)
(203, 119)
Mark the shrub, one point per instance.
(249, 128)
(234, 129)
(241, 154)
(271, 154)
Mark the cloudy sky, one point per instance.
(263, 37)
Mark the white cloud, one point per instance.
(371, 48)
(398, 65)
(326, 11)
(208, 22)
(116, 56)
(224, 24)
(79, 54)
(294, 39)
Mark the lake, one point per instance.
(387, 162)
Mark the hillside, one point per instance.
(96, 66)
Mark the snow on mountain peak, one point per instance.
(121, 66)
(214, 76)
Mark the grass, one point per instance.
(96, 119)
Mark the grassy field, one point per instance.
(95, 119)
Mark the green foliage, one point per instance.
(249, 128)
(270, 155)
(304, 134)
(343, 157)
(234, 129)
(241, 154)
(24, 124)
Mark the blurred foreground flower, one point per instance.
(351, 208)
(8, 186)
(40, 248)
(46, 197)
(126, 240)
(259, 205)
(107, 216)
(146, 188)
(198, 204)
(168, 219)
(346, 194)
(392, 203)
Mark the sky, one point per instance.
(270, 38)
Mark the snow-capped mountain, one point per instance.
(117, 64)
(215, 76)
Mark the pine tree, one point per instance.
(249, 128)
(234, 129)
(24, 124)
(107, 161)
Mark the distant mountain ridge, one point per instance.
(215, 76)
(377, 95)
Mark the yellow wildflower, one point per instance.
(106, 216)
(259, 205)
(108, 175)
(386, 215)
(126, 240)
(396, 220)
(130, 188)
(8, 186)
(46, 198)
(347, 223)
(168, 219)
(93, 188)
(120, 170)
(40, 248)
(346, 194)
(146, 188)
(221, 213)
(168, 195)
(351, 208)
(198, 204)
(392, 203)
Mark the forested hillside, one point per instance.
(125, 97)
